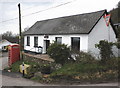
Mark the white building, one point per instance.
(4, 43)
(81, 32)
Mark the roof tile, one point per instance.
(81, 23)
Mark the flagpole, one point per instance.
(108, 32)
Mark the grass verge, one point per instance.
(73, 72)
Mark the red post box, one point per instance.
(14, 53)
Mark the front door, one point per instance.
(46, 45)
(75, 43)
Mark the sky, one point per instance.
(37, 10)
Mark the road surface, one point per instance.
(3, 60)
(18, 81)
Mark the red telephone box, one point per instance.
(14, 53)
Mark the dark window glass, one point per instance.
(58, 40)
(28, 41)
(75, 43)
(35, 41)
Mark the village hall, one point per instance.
(80, 32)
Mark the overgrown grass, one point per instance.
(88, 71)
(15, 67)
(83, 71)
(72, 69)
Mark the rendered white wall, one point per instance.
(4, 43)
(87, 42)
(100, 32)
(113, 39)
(66, 39)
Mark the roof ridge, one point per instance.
(71, 15)
(79, 23)
(97, 20)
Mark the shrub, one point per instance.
(46, 69)
(113, 63)
(87, 72)
(105, 48)
(117, 45)
(31, 70)
(83, 57)
(16, 66)
(59, 52)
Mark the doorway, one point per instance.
(46, 45)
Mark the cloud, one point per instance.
(29, 9)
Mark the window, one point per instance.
(35, 41)
(75, 43)
(28, 41)
(58, 40)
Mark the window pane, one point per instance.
(59, 40)
(28, 41)
(35, 41)
(75, 43)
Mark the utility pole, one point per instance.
(20, 36)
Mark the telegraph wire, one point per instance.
(47, 9)
(9, 20)
(38, 11)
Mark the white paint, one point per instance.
(87, 41)
(100, 32)
(66, 39)
(4, 43)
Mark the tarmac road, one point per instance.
(3, 60)
(18, 81)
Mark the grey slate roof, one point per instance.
(75, 24)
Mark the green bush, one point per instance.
(43, 68)
(16, 66)
(117, 45)
(31, 70)
(72, 69)
(113, 63)
(84, 57)
(87, 72)
(105, 48)
(59, 52)
(46, 69)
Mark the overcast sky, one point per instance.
(36, 10)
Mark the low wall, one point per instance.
(33, 58)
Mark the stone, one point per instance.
(38, 74)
